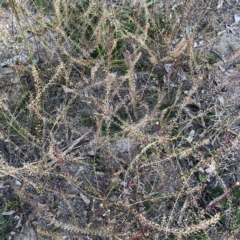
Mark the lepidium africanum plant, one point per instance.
(117, 133)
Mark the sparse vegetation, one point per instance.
(112, 123)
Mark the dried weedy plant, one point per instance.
(118, 132)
